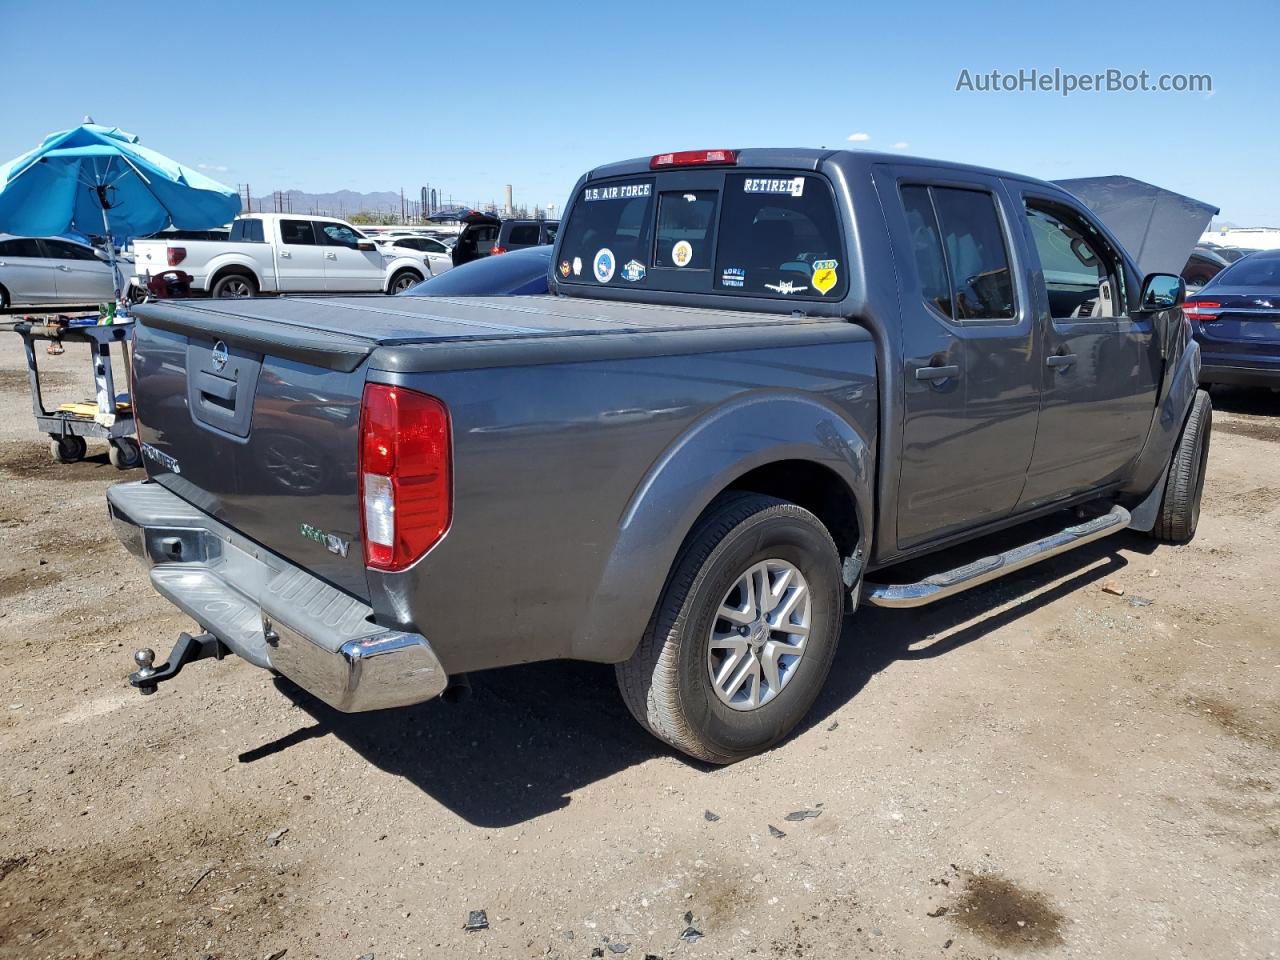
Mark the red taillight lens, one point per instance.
(694, 158)
(497, 250)
(1206, 311)
(405, 475)
(176, 255)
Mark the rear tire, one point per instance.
(1180, 508)
(234, 286)
(670, 685)
(4, 299)
(403, 281)
(67, 449)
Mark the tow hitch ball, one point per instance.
(188, 648)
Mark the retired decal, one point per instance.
(792, 186)
(824, 275)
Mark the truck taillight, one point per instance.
(694, 158)
(176, 255)
(405, 475)
(1206, 311)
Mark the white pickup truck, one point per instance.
(271, 253)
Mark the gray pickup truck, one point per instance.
(762, 381)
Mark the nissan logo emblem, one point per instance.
(220, 356)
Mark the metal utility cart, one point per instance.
(69, 425)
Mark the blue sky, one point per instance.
(324, 96)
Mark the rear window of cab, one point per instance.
(756, 234)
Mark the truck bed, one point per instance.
(340, 332)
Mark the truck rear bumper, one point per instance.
(269, 611)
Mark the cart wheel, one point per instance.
(124, 454)
(67, 449)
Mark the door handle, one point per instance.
(285, 254)
(64, 268)
(1063, 360)
(331, 256)
(937, 373)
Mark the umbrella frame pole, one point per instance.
(111, 254)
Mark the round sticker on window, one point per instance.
(682, 253)
(604, 265)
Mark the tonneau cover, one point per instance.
(339, 332)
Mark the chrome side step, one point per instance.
(950, 582)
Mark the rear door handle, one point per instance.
(285, 254)
(937, 373)
(1060, 360)
(331, 256)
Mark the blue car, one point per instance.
(1236, 320)
(514, 274)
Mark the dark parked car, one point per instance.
(1203, 265)
(765, 380)
(1236, 319)
(484, 235)
(523, 272)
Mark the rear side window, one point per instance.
(524, 235)
(61, 250)
(297, 232)
(978, 284)
(247, 231)
(20, 247)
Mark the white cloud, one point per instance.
(901, 145)
(215, 167)
(859, 137)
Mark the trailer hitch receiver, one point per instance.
(188, 648)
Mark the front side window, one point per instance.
(339, 235)
(297, 232)
(779, 237)
(1079, 274)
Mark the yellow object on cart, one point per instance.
(89, 408)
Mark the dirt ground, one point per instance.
(1037, 768)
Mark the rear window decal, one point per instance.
(785, 287)
(733, 277)
(682, 253)
(633, 270)
(577, 266)
(564, 268)
(792, 186)
(603, 265)
(622, 191)
(824, 275)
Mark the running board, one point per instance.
(950, 582)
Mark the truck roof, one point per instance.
(809, 158)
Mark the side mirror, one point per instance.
(1162, 291)
(368, 246)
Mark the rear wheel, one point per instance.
(124, 454)
(1180, 508)
(403, 281)
(4, 299)
(744, 633)
(234, 286)
(67, 449)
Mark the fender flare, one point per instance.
(231, 261)
(701, 463)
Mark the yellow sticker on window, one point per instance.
(824, 275)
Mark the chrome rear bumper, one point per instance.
(269, 611)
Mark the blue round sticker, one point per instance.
(604, 265)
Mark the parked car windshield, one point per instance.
(517, 273)
(1258, 270)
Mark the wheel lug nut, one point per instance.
(743, 631)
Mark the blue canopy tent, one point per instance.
(98, 179)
